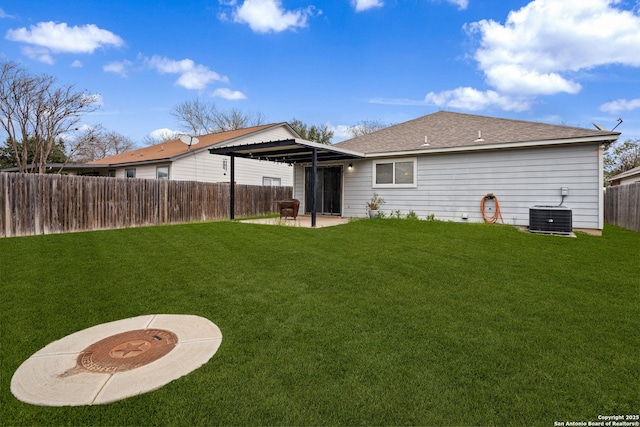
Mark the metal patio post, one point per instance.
(314, 173)
(232, 187)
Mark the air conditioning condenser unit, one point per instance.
(550, 219)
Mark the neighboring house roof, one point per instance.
(172, 150)
(448, 131)
(626, 174)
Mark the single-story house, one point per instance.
(181, 161)
(626, 177)
(444, 165)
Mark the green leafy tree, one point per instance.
(621, 157)
(319, 134)
(8, 158)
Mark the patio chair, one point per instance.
(288, 208)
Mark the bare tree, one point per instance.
(236, 119)
(195, 117)
(34, 108)
(158, 137)
(200, 118)
(365, 127)
(96, 143)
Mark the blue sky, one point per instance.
(337, 62)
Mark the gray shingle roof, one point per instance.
(446, 129)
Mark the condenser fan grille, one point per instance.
(550, 219)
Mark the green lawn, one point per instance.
(377, 322)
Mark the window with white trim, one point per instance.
(162, 172)
(276, 182)
(389, 173)
(130, 173)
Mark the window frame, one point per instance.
(126, 172)
(271, 179)
(393, 161)
(158, 172)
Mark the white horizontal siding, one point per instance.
(201, 166)
(209, 168)
(142, 171)
(450, 185)
(251, 172)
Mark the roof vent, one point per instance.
(479, 139)
(426, 141)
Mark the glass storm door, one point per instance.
(328, 190)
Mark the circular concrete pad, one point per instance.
(115, 360)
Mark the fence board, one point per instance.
(622, 205)
(33, 204)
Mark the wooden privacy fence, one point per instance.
(622, 205)
(46, 204)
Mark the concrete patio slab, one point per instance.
(301, 221)
(115, 360)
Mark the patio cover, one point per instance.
(290, 151)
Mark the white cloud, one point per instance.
(46, 38)
(472, 99)
(362, 5)
(340, 132)
(264, 16)
(462, 4)
(38, 53)
(163, 134)
(76, 64)
(232, 95)
(118, 67)
(191, 75)
(516, 79)
(620, 105)
(4, 14)
(543, 43)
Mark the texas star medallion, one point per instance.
(125, 351)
